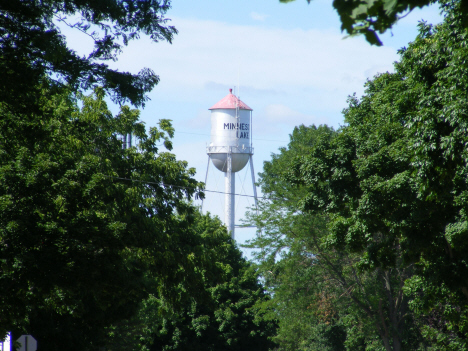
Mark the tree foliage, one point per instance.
(393, 181)
(322, 297)
(224, 320)
(31, 45)
(370, 18)
(97, 239)
(88, 228)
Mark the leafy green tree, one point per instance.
(322, 296)
(224, 320)
(369, 18)
(87, 228)
(393, 181)
(31, 45)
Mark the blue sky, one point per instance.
(288, 62)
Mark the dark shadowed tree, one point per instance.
(87, 228)
(371, 18)
(31, 46)
(225, 320)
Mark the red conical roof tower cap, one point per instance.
(230, 101)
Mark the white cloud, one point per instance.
(271, 65)
(312, 71)
(263, 58)
(258, 16)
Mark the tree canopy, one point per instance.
(31, 45)
(398, 168)
(363, 230)
(97, 238)
(370, 18)
(225, 320)
(88, 228)
(321, 297)
(393, 180)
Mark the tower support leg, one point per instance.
(229, 199)
(253, 182)
(206, 179)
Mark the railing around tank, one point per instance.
(229, 149)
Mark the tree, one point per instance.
(394, 179)
(322, 296)
(371, 17)
(32, 46)
(224, 320)
(87, 228)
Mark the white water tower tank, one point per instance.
(231, 132)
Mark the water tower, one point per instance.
(231, 148)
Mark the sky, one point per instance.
(289, 62)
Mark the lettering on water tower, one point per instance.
(242, 127)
